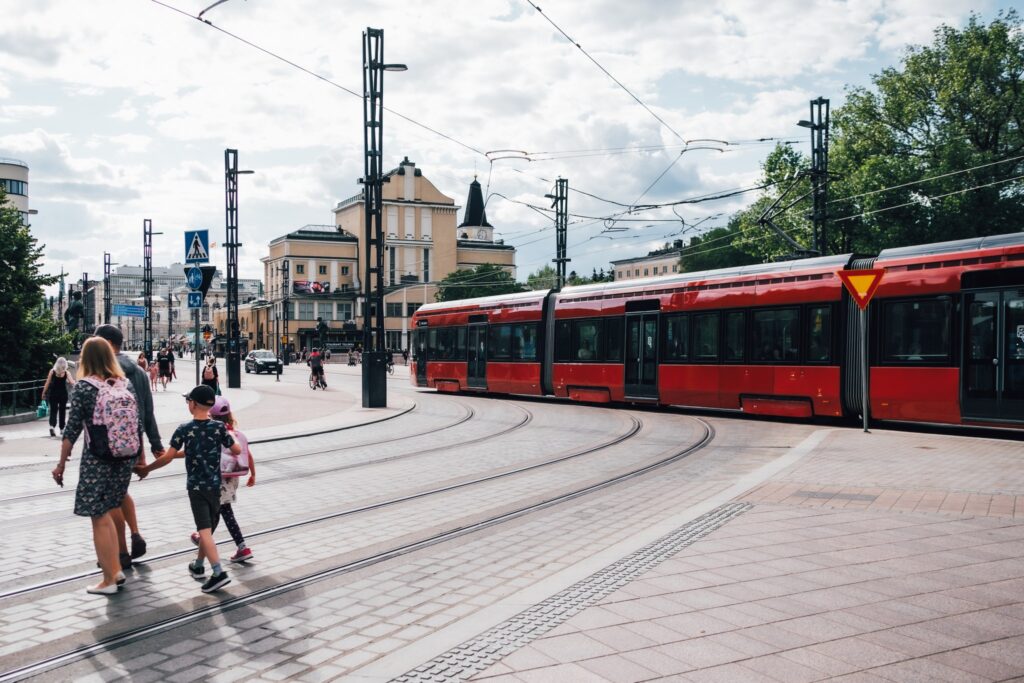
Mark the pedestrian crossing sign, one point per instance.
(197, 246)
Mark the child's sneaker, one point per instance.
(243, 555)
(216, 582)
(195, 538)
(197, 571)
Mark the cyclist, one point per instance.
(316, 367)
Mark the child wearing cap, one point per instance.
(200, 441)
(232, 469)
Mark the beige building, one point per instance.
(424, 243)
(658, 262)
(14, 180)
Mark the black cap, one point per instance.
(112, 333)
(203, 395)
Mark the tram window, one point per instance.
(459, 350)
(500, 343)
(524, 342)
(587, 340)
(563, 341)
(819, 334)
(734, 337)
(676, 338)
(917, 331)
(613, 339)
(776, 336)
(432, 342)
(705, 337)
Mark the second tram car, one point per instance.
(946, 334)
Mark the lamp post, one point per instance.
(374, 362)
(818, 126)
(285, 270)
(147, 286)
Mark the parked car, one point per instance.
(261, 360)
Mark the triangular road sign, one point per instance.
(861, 284)
(196, 251)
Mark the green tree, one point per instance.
(717, 248)
(28, 335)
(544, 278)
(484, 280)
(955, 104)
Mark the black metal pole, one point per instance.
(561, 206)
(86, 317)
(819, 172)
(147, 287)
(231, 247)
(106, 288)
(374, 369)
(170, 316)
(286, 281)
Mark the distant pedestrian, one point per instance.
(232, 469)
(164, 360)
(170, 355)
(106, 468)
(127, 516)
(56, 391)
(200, 441)
(152, 369)
(211, 377)
(405, 356)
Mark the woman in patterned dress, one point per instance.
(102, 484)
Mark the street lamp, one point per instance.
(285, 270)
(374, 362)
(818, 125)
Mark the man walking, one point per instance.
(140, 382)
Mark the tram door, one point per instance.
(420, 355)
(641, 355)
(993, 372)
(476, 354)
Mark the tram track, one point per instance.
(138, 633)
(527, 418)
(468, 415)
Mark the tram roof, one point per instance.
(819, 263)
(485, 301)
(971, 244)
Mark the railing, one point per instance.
(20, 397)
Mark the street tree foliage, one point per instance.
(28, 335)
(545, 277)
(484, 280)
(899, 155)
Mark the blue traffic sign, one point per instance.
(195, 299)
(126, 311)
(197, 246)
(195, 278)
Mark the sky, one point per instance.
(123, 109)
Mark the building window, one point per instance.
(411, 308)
(306, 310)
(344, 270)
(426, 265)
(645, 271)
(392, 257)
(425, 223)
(325, 311)
(322, 270)
(410, 223)
(300, 269)
(664, 269)
(14, 186)
(392, 221)
(393, 310)
(344, 311)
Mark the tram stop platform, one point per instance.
(455, 537)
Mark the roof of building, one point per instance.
(471, 244)
(317, 233)
(13, 162)
(657, 253)
(476, 214)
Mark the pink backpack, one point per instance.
(114, 430)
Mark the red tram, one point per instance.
(946, 331)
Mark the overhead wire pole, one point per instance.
(231, 173)
(819, 126)
(147, 287)
(374, 376)
(560, 203)
(106, 288)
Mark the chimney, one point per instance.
(678, 244)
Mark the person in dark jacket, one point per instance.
(139, 380)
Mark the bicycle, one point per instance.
(317, 381)
(391, 367)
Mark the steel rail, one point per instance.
(136, 634)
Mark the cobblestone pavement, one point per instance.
(762, 556)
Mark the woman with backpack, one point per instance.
(55, 391)
(210, 375)
(104, 407)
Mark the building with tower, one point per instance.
(317, 271)
(14, 180)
